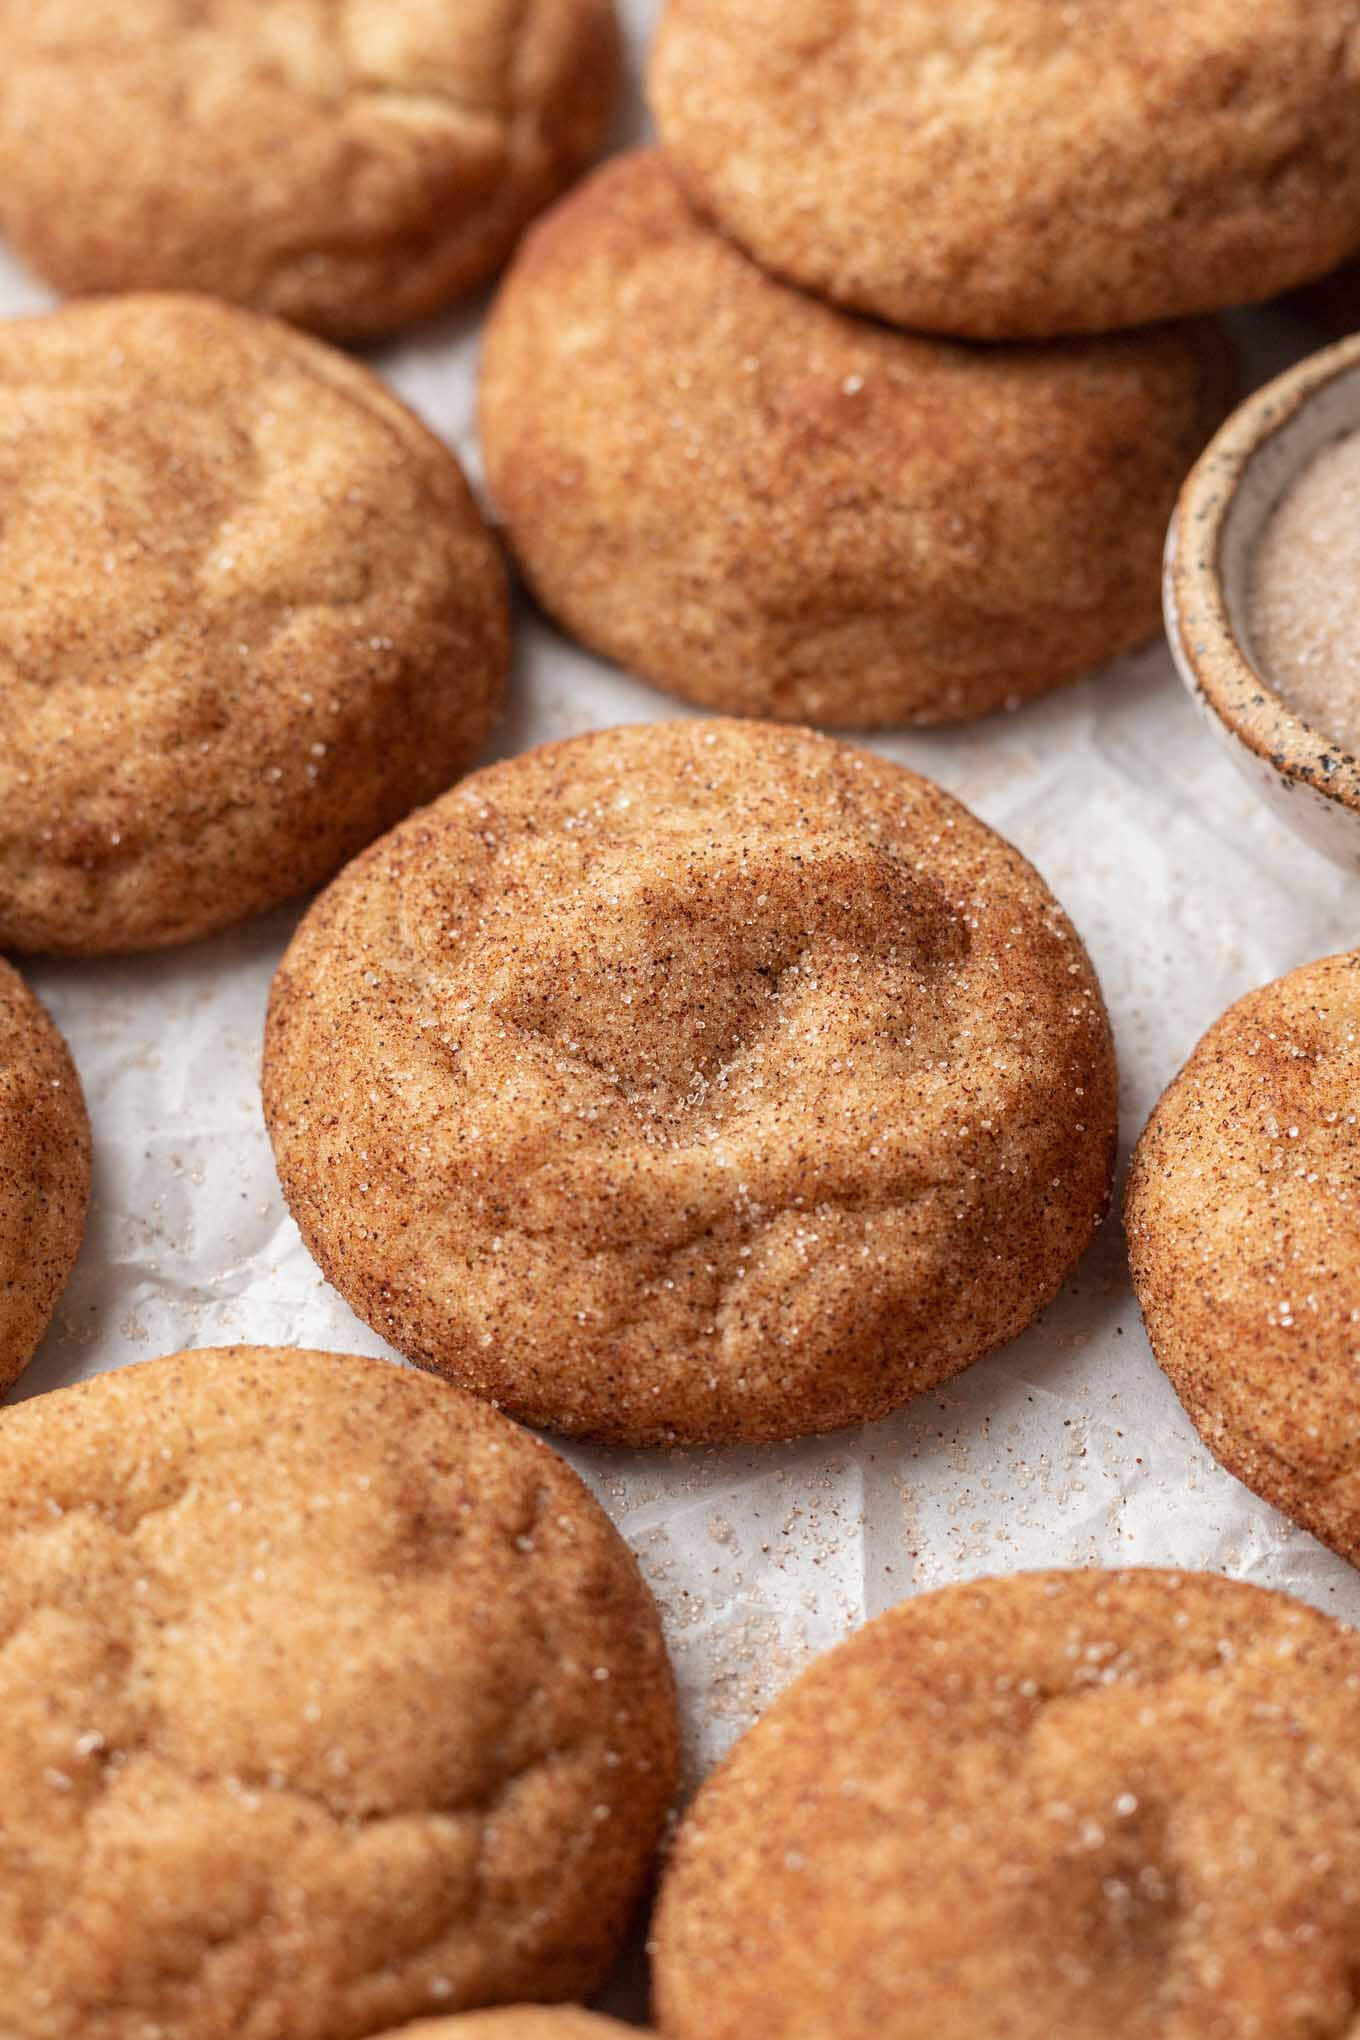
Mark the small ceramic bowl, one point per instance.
(1312, 783)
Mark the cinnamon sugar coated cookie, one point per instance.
(1243, 1215)
(777, 509)
(329, 1701)
(519, 2022)
(1011, 168)
(350, 165)
(249, 616)
(1053, 1807)
(44, 1171)
(699, 1081)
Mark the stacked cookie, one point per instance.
(1007, 172)
(727, 453)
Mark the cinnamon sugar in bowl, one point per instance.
(1262, 582)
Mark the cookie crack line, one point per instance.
(358, 87)
(483, 1808)
(56, 1516)
(441, 98)
(445, 94)
(482, 1805)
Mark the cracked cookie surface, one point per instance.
(328, 1700)
(1067, 1804)
(1010, 169)
(701, 1081)
(350, 165)
(1243, 1211)
(249, 617)
(44, 1171)
(777, 509)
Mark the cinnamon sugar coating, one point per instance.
(1012, 169)
(701, 1081)
(1051, 1807)
(350, 165)
(777, 509)
(328, 1701)
(44, 1171)
(249, 616)
(1242, 1221)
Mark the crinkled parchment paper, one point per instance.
(1066, 1448)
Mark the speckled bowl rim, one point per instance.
(1211, 659)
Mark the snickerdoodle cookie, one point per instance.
(1012, 168)
(347, 164)
(701, 1081)
(329, 1700)
(520, 2022)
(1054, 1807)
(1243, 1215)
(44, 1171)
(778, 509)
(249, 617)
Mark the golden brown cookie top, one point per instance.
(44, 1171)
(347, 164)
(330, 1701)
(519, 2022)
(778, 509)
(249, 615)
(1242, 1220)
(696, 1080)
(1012, 168)
(1066, 1804)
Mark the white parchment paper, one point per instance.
(1067, 1448)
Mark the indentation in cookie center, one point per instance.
(664, 977)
